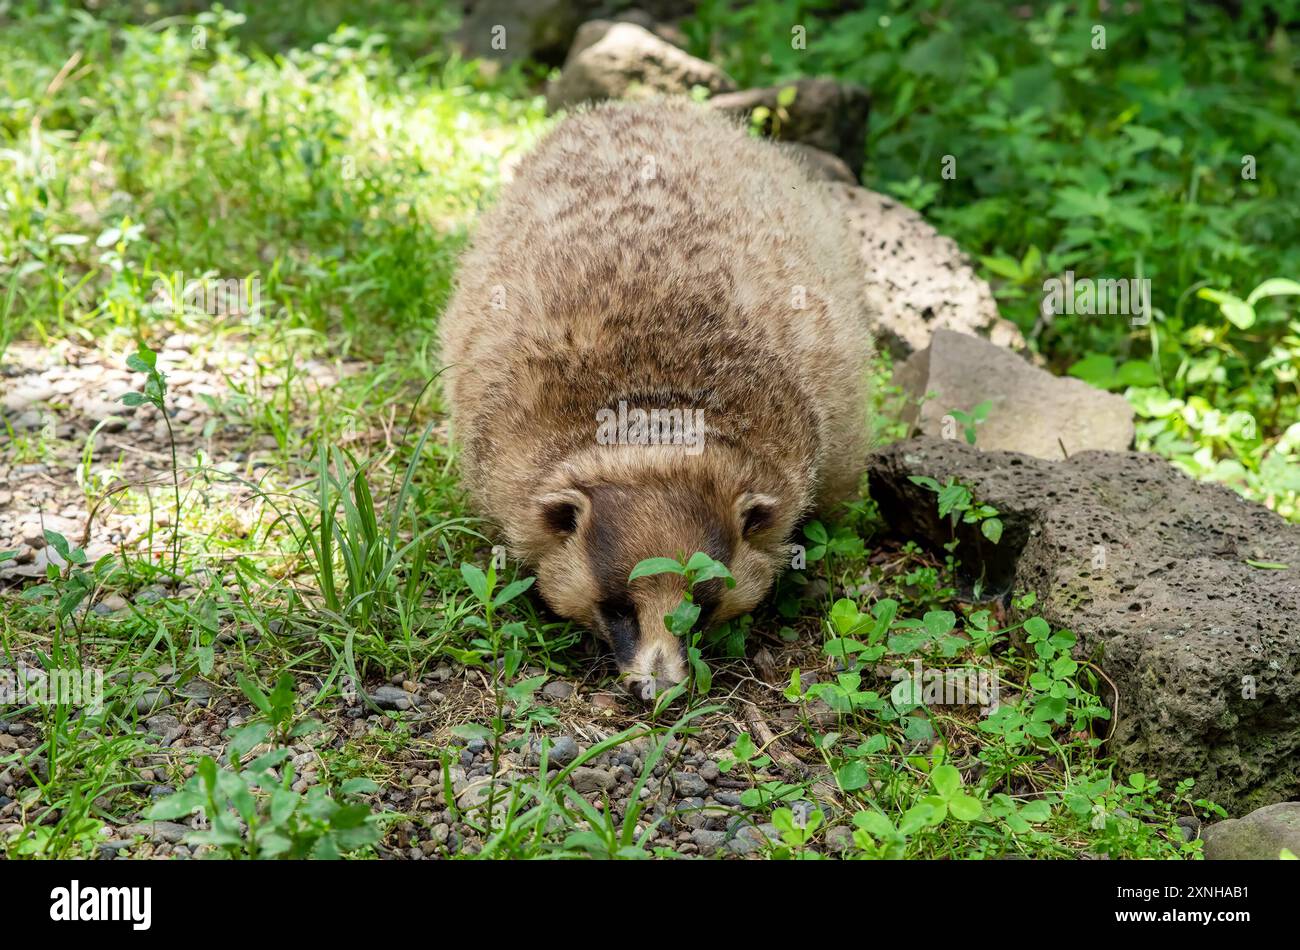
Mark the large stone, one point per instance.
(594, 30)
(828, 115)
(1031, 410)
(505, 31)
(618, 60)
(1153, 572)
(918, 280)
(1260, 836)
(509, 30)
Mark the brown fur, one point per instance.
(657, 255)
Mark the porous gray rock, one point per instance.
(1152, 570)
(619, 60)
(1259, 836)
(826, 114)
(916, 279)
(1031, 410)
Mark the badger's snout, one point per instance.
(647, 688)
(649, 656)
(655, 669)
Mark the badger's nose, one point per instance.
(656, 668)
(646, 688)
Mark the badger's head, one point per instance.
(610, 509)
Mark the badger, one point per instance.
(656, 346)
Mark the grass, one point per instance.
(322, 177)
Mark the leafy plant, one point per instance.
(956, 502)
(950, 798)
(250, 811)
(145, 360)
(697, 569)
(970, 420)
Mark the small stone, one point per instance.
(839, 839)
(22, 396)
(587, 780)
(610, 60)
(197, 689)
(108, 849)
(113, 603)
(557, 690)
(394, 697)
(168, 728)
(151, 594)
(708, 841)
(750, 839)
(150, 700)
(156, 831)
(563, 751)
(709, 771)
(1031, 411)
(1260, 835)
(26, 421)
(690, 784)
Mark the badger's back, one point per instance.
(656, 254)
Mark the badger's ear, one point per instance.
(562, 511)
(755, 513)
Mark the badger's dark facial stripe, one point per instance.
(605, 545)
(624, 632)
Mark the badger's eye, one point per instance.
(616, 610)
